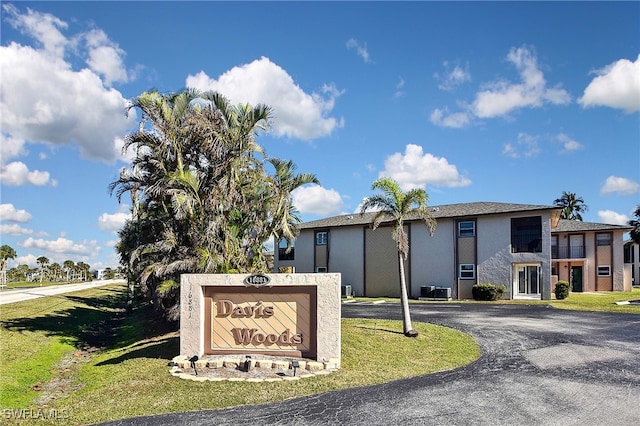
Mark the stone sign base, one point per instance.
(258, 368)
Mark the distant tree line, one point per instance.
(47, 271)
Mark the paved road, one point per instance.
(22, 294)
(539, 366)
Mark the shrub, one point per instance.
(488, 292)
(562, 290)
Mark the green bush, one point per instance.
(562, 290)
(488, 292)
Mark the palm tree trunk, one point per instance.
(404, 300)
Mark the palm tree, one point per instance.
(55, 272)
(42, 262)
(84, 270)
(284, 218)
(397, 206)
(635, 232)
(6, 253)
(69, 265)
(572, 206)
(202, 200)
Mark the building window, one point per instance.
(321, 269)
(467, 271)
(285, 253)
(526, 234)
(604, 271)
(603, 239)
(321, 238)
(629, 254)
(467, 229)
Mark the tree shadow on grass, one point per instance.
(163, 348)
(374, 329)
(103, 323)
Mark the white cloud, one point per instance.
(15, 230)
(452, 78)
(568, 145)
(369, 210)
(399, 88)
(616, 86)
(443, 118)
(11, 147)
(9, 213)
(612, 218)
(45, 100)
(296, 114)
(105, 57)
(360, 49)
(499, 98)
(17, 174)
(29, 260)
(43, 27)
(526, 146)
(317, 200)
(415, 169)
(113, 222)
(620, 186)
(502, 97)
(62, 247)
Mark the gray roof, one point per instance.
(438, 212)
(565, 225)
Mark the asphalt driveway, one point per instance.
(539, 366)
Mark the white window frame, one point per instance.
(321, 269)
(464, 269)
(322, 238)
(604, 270)
(468, 232)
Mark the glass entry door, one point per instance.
(528, 279)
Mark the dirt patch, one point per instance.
(62, 384)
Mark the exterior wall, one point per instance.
(594, 256)
(347, 257)
(633, 264)
(495, 260)
(617, 264)
(432, 257)
(381, 264)
(303, 261)
(604, 256)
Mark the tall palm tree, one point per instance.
(6, 253)
(68, 267)
(42, 262)
(572, 206)
(284, 218)
(635, 232)
(396, 206)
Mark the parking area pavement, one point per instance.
(539, 366)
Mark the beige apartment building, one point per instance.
(526, 248)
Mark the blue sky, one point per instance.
(504, 101)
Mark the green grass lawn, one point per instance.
(34, 284)
(595, 302)
(43, 366)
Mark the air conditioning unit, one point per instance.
(442, 293)
(427, 290)
(346, 290)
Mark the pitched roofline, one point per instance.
(447, 211)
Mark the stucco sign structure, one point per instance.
(293, 315)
